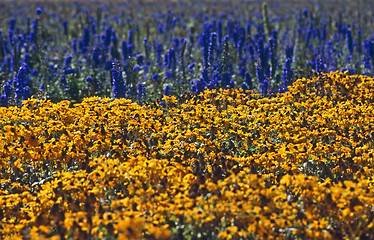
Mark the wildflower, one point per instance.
(130, 38)
(69, 70)
(7, 89)
(86, 38)
(140, 59)
(248, 80)
(136, 68)
(125, 53)
(167, 91)
(68, 60)
(260, 74)
(141, 91)
(349, 41)
(108, 36)
(74, 45)
(359, 42)
(205, 49)
(38, 11)
(88, 79)
(262, 54)
(159, 50)
(65, 25)
(21, 82)
(244, 86)
(212, 48)
(190, 67)
(155, 77)
(289, 51)
(320, 66)
(3, 100)
(6, 47)
(63, 82)
(6, 66)
(264, 87)
(96, 57)
(108, 65)
(119, 88)
(287, 72)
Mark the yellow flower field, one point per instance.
(224, 164)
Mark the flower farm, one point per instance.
(176, 120)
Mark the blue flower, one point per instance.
(176, 43)
(114, 39)
(160, 28)
(287, 72)
(130, 49)
(136, 68)
(130, 37)
(141, 91)
(244, 87)
(88, 79)
(320, 66)
(63, 82)
(108, 36)
(26, 93)
(35, 72)
(349, 41)
(114, 52)
(86, 37)
(212, 48)
(12, 24)
(251, 52)
(7, 89)
(68, 60)
(69, 70)
(3, 101)
(140, 59)
(359, 41)
(119, 88)
(172, 63)
(6, 47)
(96, 58)
(125, 54)
(65, 26)
(27, 58)
(366, 62)
(38, 11)
(155, 77)
(74, 45)
(167, 91)
(263, 56)
(264, 86)
(289, 51)
(190, 67)
(108, 65)
(5, 67)
(159, 50)
(242, 67)
(248, 80)
(260, 74)
(21, 81)
(23, 72)
(205, 49)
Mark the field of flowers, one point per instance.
(147, 49)
(223, 164)
(187, 120)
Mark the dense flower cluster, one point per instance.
(68, 50)
(223, 164)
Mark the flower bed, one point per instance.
(224, 164)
